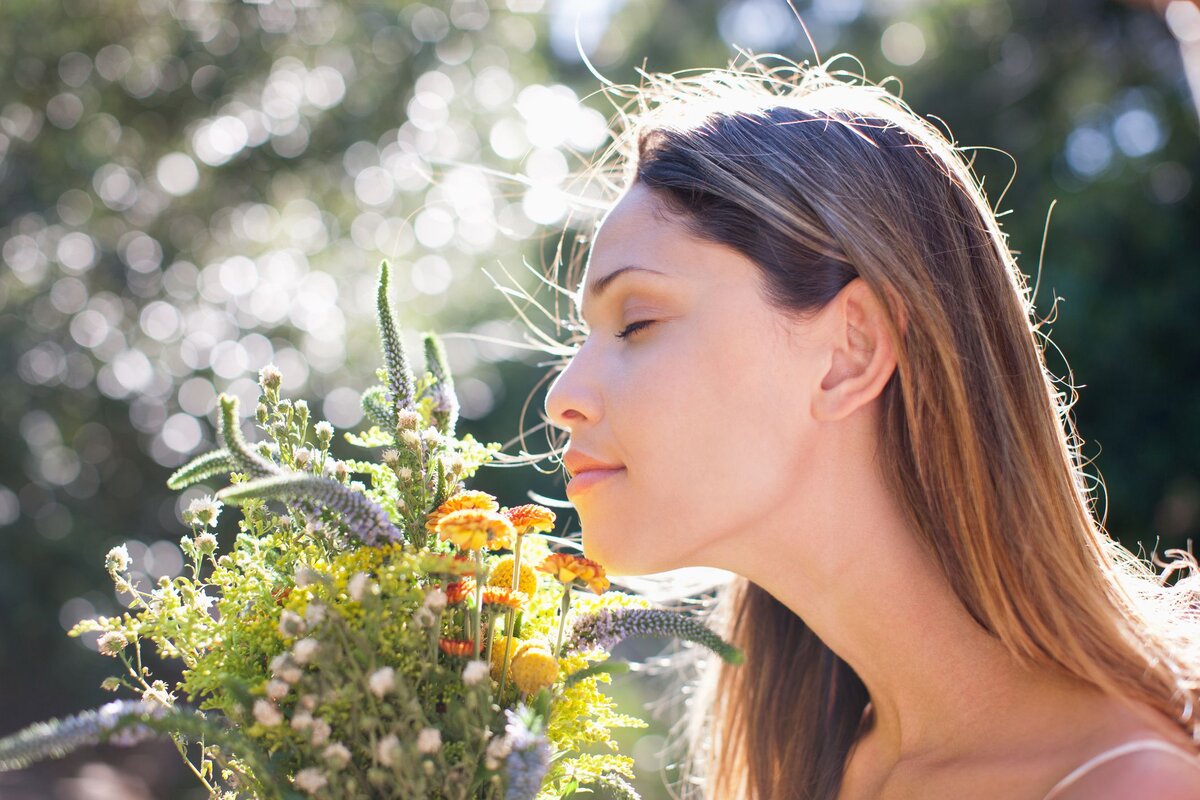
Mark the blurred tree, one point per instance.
(190, 190)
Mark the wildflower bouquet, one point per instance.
(398, 636)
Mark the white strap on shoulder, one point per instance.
(1117, 752)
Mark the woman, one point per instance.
(810, 361)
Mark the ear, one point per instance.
(858, 351)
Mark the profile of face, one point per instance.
(695, 387)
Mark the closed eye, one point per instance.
(634, 327)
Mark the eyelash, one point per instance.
(634, 327)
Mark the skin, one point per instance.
(748, 440)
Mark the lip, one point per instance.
(582, 481)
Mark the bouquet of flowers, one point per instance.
(398, 636)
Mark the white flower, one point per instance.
(406, 473)
(323, 431)
(314, 614)
(382, 681)
(301, 455)
(204, 510)
(305, 649)
(358, 586)
(112, 643)
(337, 754)
(157, 693)
(408, 418)
(277, 689)
(475, 672)
(423, 617)
(411, 438)
(308, 701)
(291, 623)
(117, 559)
(310, 779)
(301, 720)
(431, 436)
(306, 575)
(498, 750)
(320, 732)
(270, 376)
(283, 666)
(435, 600)
(388, 750)
(206, 544)
(429, 740)
(266, 713)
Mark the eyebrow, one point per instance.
(602, 284)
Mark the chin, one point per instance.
(614, 550)
(610, 551)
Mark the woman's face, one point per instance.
(703, 403)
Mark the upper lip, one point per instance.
(577, 462)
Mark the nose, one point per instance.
(569, 401)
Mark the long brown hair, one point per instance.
(820, 177)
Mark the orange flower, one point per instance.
(529, 518)
(473, 528)
(567, 568)
(468, 499)
(504, 596)
(459, 591)
(457, 647)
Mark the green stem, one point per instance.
(435, 633)
(478, 599)
(508, 615)
(508, 640)
(562, 618)
(491, 632)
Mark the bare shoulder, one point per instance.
(1141, 775)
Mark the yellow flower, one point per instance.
(567, 568)
(498, 653)
(502, 575)
(534, 668)
(473, 528)
(468, 499)
(529, 518)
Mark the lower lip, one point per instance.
(589, 478)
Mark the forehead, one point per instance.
(636, 236)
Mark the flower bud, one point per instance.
(269, 377)
(117, 560)
(337, 755)
(324, 433)
(266, 714)
(206, 544)
(305, 650)
(382, 681)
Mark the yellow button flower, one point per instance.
(498, 653)
(534, 668)
(502, 575)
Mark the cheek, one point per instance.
(707, 442)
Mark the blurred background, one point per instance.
(190, 190)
